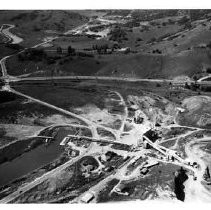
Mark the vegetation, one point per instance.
(118, 34)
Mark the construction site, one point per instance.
(107, 136)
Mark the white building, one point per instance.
(87, 197)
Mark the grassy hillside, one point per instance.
(165, 44)
(158, 66)
(197, 112)
(32, 26)
(139, 65)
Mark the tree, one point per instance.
(195, 78)
(59, 50)
(70, 50)
(209, 45)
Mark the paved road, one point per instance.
(12, 38)
(103, 78)
(203, 78)
(90, 78)
(3, 67)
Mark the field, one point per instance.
(21, 118)
(64, 96)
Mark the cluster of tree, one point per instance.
(32, 54)
(98, 28)
(144, 28)
(132, 24)
(26, 15)
(208, 70)
(148, 15)
(7, 97)
(157, 51)
(183, 20)
(70, 50)
(197, 14)
(2, 132)
(169, 22)
(37, 55)
(67, 58)
(192, 86)
(139, 39)
(14, 46)
(206, 89)
(100, 48)
(52, 59)
(59, 50)
(36, 28)
(153, 39)
(120, 12)
(209, 45)
(197, 87)
(118, 34)
(187, 25)
(83, 54)
(93, 36)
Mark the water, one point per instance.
(179, 187)
(29, 161)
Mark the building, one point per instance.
(151, 163)
(144, 171)
(87, 197)
(65, 141)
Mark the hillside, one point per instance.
(159, 66)
(33, 26)
(162, 43)
(140, 65)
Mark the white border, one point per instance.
(105, 4)
(108, 4)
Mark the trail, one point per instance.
(120, 131)
(92, 125)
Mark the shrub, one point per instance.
(139, 39)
